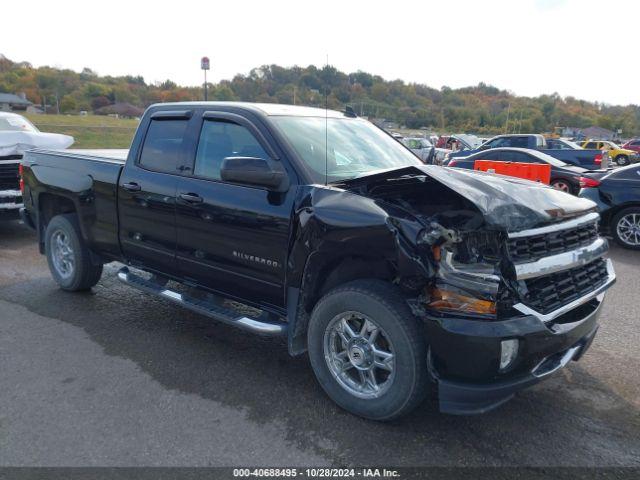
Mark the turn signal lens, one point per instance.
(447, 300)
(21, 180)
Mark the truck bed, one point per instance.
(89, 179)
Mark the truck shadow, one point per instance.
(182, 351)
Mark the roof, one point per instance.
(595, 131)
(269, 109)
(13, 99)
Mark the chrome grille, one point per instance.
(9, 179)
(550, 292)
(531, 248)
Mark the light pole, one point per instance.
(204, 65)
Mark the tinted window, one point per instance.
(519, 157)
(519, 142)
(636, 143)
(219, 140)
(488, 155)
(162, 149)
(591, 145)
(628, 174)
(499, 142)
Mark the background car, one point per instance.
(621, 156)
(422, 148)
(564, 177)
(633, 144)
(585, 158)
(617, 194)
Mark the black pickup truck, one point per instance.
(399, 279)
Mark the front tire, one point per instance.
(67, 255)
(368, 350)
(622, 160)
(625, 228)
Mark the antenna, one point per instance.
(326, 125)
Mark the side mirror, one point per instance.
(252, 171)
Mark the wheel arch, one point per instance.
(50, 205)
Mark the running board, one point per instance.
(262, 325)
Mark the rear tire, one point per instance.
(623, 226)
(622, 160)
(397, 356)
(563, 185)
(67, 255)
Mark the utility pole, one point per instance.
(204, 65)
(506, 124)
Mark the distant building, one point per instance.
(596, 133)
(10, 102)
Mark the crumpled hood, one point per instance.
(507, 203)
(16, 143)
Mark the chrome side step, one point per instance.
(263, 325)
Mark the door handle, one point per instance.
(131, 187)
(191, 198)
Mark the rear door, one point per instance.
(232, 239)
(147, 193)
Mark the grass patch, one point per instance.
(91, 131)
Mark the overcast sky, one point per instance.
(585, 48)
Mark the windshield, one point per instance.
(354, 147)
(16, 123)
(573, 145)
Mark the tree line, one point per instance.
(481, 109)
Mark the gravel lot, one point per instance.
(117, 378)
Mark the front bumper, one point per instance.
(464, 354)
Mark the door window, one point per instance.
(520, 157)
(519, 142)
(162, 148)
(221, 139)
(591, 145)
(499, 142)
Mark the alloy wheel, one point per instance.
(359, 355)
(628, 229)
(62, 254)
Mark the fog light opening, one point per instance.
(508, 353)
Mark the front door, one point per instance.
(232, 239)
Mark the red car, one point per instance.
(633, 145)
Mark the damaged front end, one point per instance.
(515, 280)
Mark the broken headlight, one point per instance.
(468, 281)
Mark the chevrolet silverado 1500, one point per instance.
(399, 279)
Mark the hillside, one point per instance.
(481, 109)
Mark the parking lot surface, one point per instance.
(117, 378)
